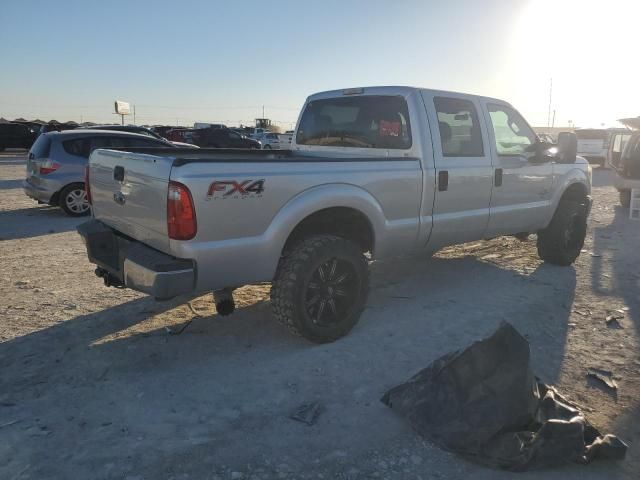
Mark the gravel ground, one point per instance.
(93, 385)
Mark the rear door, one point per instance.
(129, 191)
(463, 169)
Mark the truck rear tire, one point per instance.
(625, 198)
(321, 288)
(560, 243)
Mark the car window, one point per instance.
(620, 141)
(512, 133)
(372, 121)
(459, 127)
(108, 142)
(78, 147)
(143, 142)
(233, 134)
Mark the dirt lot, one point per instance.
(92, 385)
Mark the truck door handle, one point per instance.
(118, 174)
(443, 180)
(498, 178)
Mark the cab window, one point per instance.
(512, 133)
(369, 121)
(459, 127)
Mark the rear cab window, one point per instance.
(459, 127)
(368, 121)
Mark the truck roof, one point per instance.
(405, 91)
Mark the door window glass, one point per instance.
(459, 127)
(513, 135)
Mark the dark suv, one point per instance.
(222, 138)
(16, 135)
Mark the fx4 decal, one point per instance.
(234, 189)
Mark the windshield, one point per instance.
(363, 121)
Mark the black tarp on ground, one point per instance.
(484, 403)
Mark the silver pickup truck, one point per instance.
(373, 172)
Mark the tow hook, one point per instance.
(225, 305)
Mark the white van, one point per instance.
(593, 143)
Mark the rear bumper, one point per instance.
(125, 262)
(40, 193)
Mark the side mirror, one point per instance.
(567, 147)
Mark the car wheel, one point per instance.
(320, 288)
(267, 147)
(625, 198)
(73, 200)
(560, 243)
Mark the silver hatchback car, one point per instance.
(56, 163)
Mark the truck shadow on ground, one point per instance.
(618, 242)
(35, 221)
(139, 396)
(9, 184)
(12, 160)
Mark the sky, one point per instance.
(223, 61)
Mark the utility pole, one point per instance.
(549, 111)
(262, 111)
(553, 121)
(134, 115)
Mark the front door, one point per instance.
(463, 169)
(522, 192)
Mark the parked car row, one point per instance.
(16, 135)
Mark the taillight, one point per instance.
(181, 213)
(48, 166)
(87, 185)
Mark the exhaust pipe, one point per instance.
(109, 280)
(225, 305)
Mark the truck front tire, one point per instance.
(321, 288)
(560, 243)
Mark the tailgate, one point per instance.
(129, 193)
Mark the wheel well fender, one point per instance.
(341, 209)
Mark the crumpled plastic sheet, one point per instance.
(485, 403)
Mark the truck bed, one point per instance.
(184, 156)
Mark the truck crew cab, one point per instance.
(382, 171)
